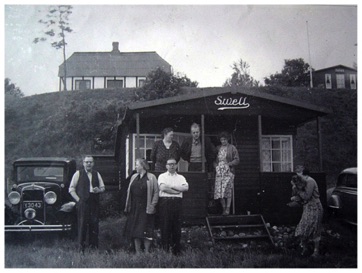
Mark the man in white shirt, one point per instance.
(172, 185)
(85, 187)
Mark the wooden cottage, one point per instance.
(335, 77)
(263, 129)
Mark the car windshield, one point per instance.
(40, 174)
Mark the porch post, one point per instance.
(203, 142)
(319, 130)
(259, 136)
(138, 135)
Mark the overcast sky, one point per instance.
(199, 41)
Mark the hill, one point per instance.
(83, 122)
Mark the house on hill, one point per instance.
(335, 77)
(114, 69)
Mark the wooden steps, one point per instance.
(237, 227)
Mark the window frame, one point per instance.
(115, 80)
(283, 164)
(87, 82)
(178, 136)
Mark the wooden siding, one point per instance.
(109, 170)
(246, 182)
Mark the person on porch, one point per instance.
(191, 149)
(227, 159)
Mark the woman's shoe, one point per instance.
(227, 211)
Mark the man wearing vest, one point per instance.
(85, 187)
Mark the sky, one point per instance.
(200, 41)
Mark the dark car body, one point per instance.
(342, 201)
(39, 199)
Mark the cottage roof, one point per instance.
(114, 63)
(336, 66)
(209, 101)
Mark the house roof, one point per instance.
(336, 66)
(101, 64)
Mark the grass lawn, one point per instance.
(338, 250)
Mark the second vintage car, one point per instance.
(342, 199)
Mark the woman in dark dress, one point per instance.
(142, 198)
(164, 149)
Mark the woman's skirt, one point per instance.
(310, 225)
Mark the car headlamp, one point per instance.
(50, 197)
(14, 197)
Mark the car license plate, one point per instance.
(33, 205)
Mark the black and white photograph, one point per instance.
(180, 135)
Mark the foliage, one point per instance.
(56, 26)
(160, 84)
(64, 124)
(294, 73)
(241, 76)
(12, 90)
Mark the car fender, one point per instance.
(334, 202)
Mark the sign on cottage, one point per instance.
(231, 103)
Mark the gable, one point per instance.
(232, 102)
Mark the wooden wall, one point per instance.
(276, 193)
(109, 170)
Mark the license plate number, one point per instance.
(33, 205)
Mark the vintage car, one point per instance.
(38, 199)
(342, 199)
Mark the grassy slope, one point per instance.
(66, 124)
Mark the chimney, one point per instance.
(115, 47)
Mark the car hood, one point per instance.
(45, 185)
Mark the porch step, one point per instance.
(237, 227)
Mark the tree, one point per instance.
(160, 84)
(241, 76)
(56, 26)
(12, 90)
(294, 73)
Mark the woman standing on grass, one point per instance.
(142, 198)
(310, 225)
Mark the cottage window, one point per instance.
(114, 83)
(277, 153)
(141, 83)
(146, 142)
(352, 80)
(328, 81)
(82, 84)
